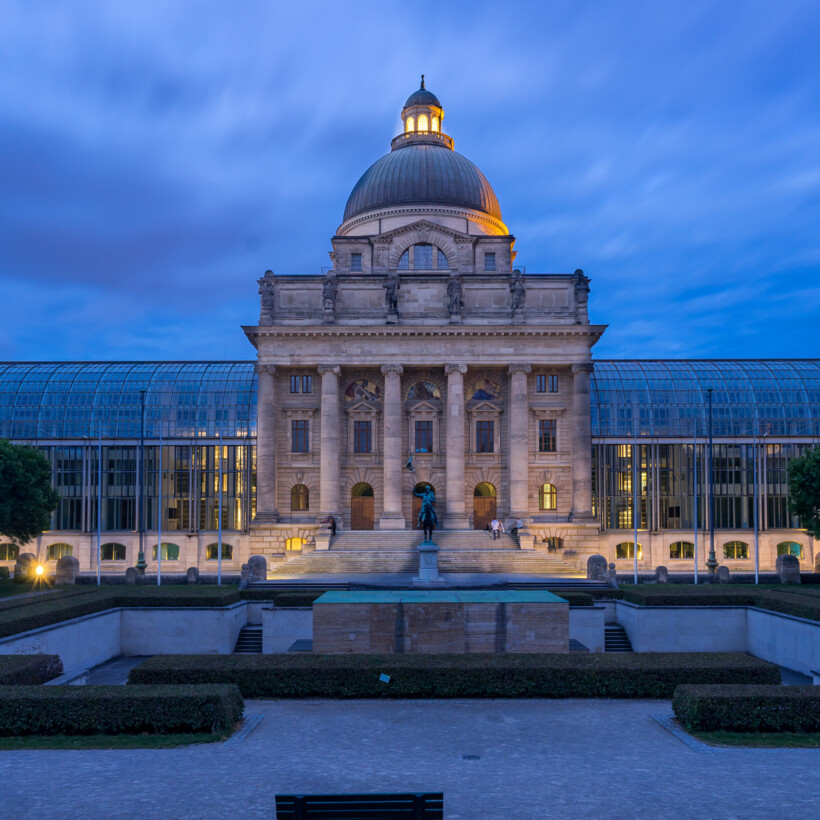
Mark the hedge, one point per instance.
(29, 670)
(37, 614)
(457, 676)
(748, 708)
(110, 710)
(574, 598)
(303, 598)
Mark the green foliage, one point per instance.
(5, 574)
(93, 710)
(457, 676)
(748, 708)
(281, 598)
(26, 496)
(574, 598)
(804, 490)
(29, 670)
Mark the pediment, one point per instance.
(424, 406)
(363, 406)
(425, 230)
(483, 406)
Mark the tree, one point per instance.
(804, 490)
(26, 496)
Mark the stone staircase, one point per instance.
(249, 641)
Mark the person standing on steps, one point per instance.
(495, 525)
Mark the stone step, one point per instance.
(407, 539)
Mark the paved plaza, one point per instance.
(492, 759)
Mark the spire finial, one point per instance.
(422, 80)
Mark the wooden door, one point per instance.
(484, 511)
(361, 513)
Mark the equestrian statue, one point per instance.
(428, 520)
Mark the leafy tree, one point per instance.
(804, 490)
(26, 496)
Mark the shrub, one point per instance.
(29, 670)
(108, 710)
(748, 708)
(303, 598)
(574, 598)
(5, 574)
(457, 676)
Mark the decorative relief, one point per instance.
(329, 368)
(520, 368)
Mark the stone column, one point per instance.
(266, 512)
(392, 518)
(581, 443)
(519, 441)
(329, 441)
(456, 515)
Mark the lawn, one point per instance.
(763, 740)
(145, 741)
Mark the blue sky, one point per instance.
(156, 158)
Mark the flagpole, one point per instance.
(159, 512)
(99, 504)
(219, 523)
(635, 498)
(695, 471)
(757, 538)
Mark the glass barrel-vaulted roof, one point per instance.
(776, 397)
(184, 399)
(75, 400)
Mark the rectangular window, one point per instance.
(553, 384)
(299, 435)
(307, 384)
(489, 261)
(355, 261)
(424, 436)
(485, 436)
(294, 384)
(362, 436)
(423, 257)
(547, 435)
(541, 384)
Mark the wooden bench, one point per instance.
(411, 806)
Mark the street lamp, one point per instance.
(711, 561)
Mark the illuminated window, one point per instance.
(547, 435)
(682, 549)
(212, 552)
(299, 498)
(790, 548)
(434, 126)
(554, 543)
(489, 261)
(409, 125)
(423, 257)
(170, 552)
(294, 544)
(736, 549)
(9, 552)
(355, 261)
(423, 122)
(442, 260)
(626, 549)
(404, 261)
(56, 551)
(548, 497)
(112, 552)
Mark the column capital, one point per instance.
(455, 368)
(270, 369)
(393, 368)
(520, 368)
(329, 368)
(582, 367)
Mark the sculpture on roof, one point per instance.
(266, 298)
(518, 291)
(455, 300)
(581, 283)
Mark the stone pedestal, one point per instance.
(428, 566)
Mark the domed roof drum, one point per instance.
(422, 174)
(422, 97)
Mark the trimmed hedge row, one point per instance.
(304, 598)
(28, 598)
(748, 708)
(457, 676)
(37, 614)
(29, 670)
(111, 710)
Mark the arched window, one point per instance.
(212, 552)
(299, 498)
(112, 552)
(362, 490)
(409, 125)
(434, 126)
(56, 551)
(626, 549)
(790, 548)
(484, 390)
(294, 544)
(735, 549)
(422, 391)
(404, 260)
(548, 497)
(484, 490)
(423, 122)
(9, 552)
(423, 257)
(170, 552)
(441, 261)
(682, 549)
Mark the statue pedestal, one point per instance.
(428, 566)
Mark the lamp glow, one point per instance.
(39, 570)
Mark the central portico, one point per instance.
(424, 345)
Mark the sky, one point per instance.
(157, 157)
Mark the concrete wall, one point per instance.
(281, 626)
(586, 624)
(784, 640)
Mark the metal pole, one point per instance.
(141, 495)
(159, 512)
(99, 505)
(219, 521)
(757, 539)
(635, 500)
(711, 561)
(695, 471)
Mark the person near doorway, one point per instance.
(495, 526)
(517, 526)
(331, 522)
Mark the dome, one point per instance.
(422, 97)
(422, 173)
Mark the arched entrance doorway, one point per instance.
(419, 488)
(361, 507)
(483, 505)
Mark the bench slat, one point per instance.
(407, 806)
